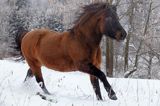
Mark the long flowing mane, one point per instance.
(88, 11)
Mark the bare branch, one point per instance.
(128, 73)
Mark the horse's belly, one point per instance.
(61, 65)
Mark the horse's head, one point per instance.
(109, 23)
(100, 18)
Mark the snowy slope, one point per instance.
(71, 89)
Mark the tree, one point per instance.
(110, 49)
(142, 37)
(109, 53)
(18, 21)
(23, 18)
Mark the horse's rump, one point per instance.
(48, 48)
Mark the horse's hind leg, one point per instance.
(40, 81)
(96, 87)
(29, 74)
(35, 69)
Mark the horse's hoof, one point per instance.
(111, 94)
(100, 99)
(46, 91)
(113, 97)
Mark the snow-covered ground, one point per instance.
(71, 89)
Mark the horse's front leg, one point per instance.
(96, 87)
(94, 80)
(92, 70)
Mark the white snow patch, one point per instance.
(71, 89)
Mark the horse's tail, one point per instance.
(16, 45)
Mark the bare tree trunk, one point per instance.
(109, 57)
(109, 53)
(126, 53)
(116, 63)
(110, 49)
(150, 66)
(131, 15)
(144, 33)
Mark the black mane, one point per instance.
(88, 11)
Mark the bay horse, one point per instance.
(75, 49)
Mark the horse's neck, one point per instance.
(90, 33)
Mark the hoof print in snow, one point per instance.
(46, 97)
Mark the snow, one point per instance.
(71, 89)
